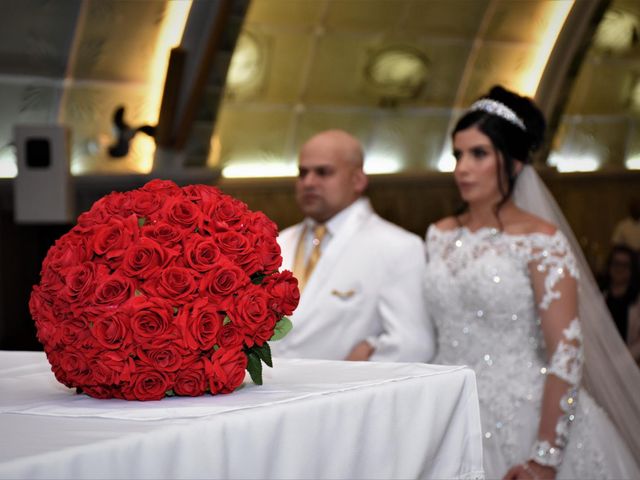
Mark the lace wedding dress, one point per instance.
(489, 294)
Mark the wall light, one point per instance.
(633, 163)
(574, 163)
(381, 162)
(260, 169)
(8, 166)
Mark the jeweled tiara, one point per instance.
(499, 109)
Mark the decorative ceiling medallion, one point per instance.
(397, 72)
(247, 68)
(618, 31)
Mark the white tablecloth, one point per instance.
(310, 419)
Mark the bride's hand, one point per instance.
(530, 471)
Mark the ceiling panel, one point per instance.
(118, 40)
(447, 60)
(496, 64)
(36, 36)
(598, 94)
(336, 74)
(299, 14)
(254, 135)
(378, 16)
(287, 55)
(445, 18)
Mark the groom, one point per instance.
(360, 276)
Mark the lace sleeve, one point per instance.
(554, 278)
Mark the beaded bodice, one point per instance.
(481, 297)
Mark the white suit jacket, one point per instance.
(367, 285)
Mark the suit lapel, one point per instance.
(335, 248)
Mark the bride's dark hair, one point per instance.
(509, 139)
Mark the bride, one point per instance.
(512, 298)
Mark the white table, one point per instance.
(310, 419)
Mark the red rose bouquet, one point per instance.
(163, 291)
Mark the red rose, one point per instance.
(259, 224)
(200, 253)
(110, 368)
(113, 290)
(112, 331)
(252, 314)
(161, 187)
(59, 257)
(284, 292)
(183, 213)
(233, 244)
(117, 203)
(165, 358)
(239, 249)
(112, 239)
(176, 283)
(147, 384)
(268, 253)
(80, 282)
(98, 215)
(221, 282)
(200, 325)
(73, 363)
(51, 283)
(71, 331)
(228, 366)
(230, 336)
(151, 320)
(145, 258)
(227, 214)
(144, 204)
(191, 380)
(202, 195)
(164, 233)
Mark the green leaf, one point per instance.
(216, 347)
(264, 352)
(283, 326)
(137, 293)
(141, 221)
(170, 393)
(257, 279)
(226, 320)
(254, 367)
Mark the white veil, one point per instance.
(610, 374)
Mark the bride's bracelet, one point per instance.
(546, 454)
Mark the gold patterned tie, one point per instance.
(301, 270)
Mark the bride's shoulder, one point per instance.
(447, 224)
(528, 224)
(441, 230)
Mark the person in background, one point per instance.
(621, 289)
(360, 276)
(627, 231)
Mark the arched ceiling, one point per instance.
(396, 73)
